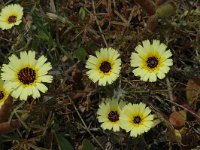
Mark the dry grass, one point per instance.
(67, 32)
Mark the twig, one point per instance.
(84, 124)
(78, 95)
(16, 108)
(169, 89)
(121, 17)
(185, 107)
(22, 122)
(15, 113)
(97, 22)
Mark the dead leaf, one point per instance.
(192, 90)
(177, 119)
(52, 6)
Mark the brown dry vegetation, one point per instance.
(67, 32)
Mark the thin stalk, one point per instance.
(84, 124)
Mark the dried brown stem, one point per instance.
(169, 87)
(5, 108)
(78, 95)
(97, 22)
(187, 108)
(9, 126)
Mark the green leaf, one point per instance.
(80, 54)
(86, 145)
(43, 36)
(63, 142)
(56, 127)
(82, 13)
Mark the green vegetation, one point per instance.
(67, 32)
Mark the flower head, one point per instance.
(136, 118)
(105, 67)
(10, 15)
(151, 60)
(109, 113)
(24, 76)
(3, 93)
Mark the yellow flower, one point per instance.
(136, 118)
(109, 113)
(3, 93)
(105, 67)
(151, 60)
(24, 76)
(10, 15)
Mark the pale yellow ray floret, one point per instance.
(105, 67)
(3, 93)
(24, 76)
(108, 114)
(151, 61)
(136, 119)
(10, 16)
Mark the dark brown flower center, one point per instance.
(137, 120)
(113, 116)
(12, 19)
(1, 95)
(105, 67)
(152, 62)
(27, 75)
